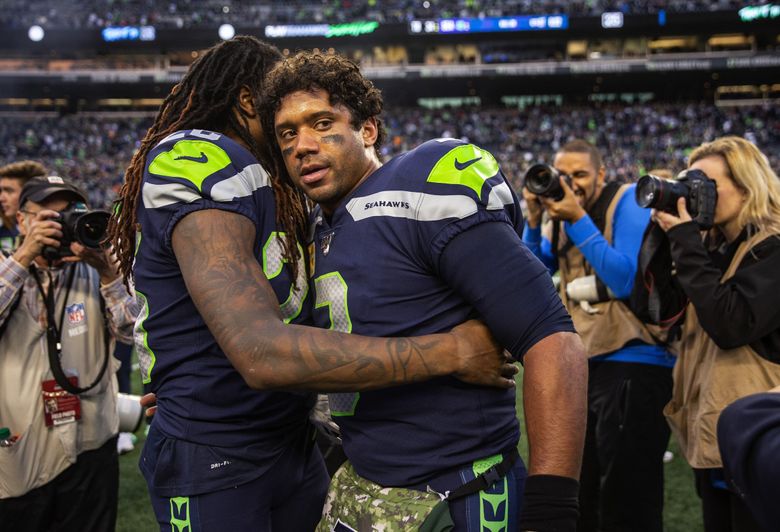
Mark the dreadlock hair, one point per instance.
(336, 75)
(207, 98)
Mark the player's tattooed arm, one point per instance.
(214, 250)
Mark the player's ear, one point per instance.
(246, 102)
(370, 132)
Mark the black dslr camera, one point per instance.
(544, 180)
(700, 193)
(81, 225)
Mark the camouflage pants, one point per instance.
(355, 503)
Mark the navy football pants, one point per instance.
(288, 498)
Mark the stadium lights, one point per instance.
(35, 33)
(226, 31)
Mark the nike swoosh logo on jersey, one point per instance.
(466, 164)
(202, 159)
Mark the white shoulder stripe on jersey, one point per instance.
(419, 206)
(156, 196)
(499, 196)
(240, 185)
(412, 205)
(199, 133)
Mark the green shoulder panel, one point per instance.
(465, 165)
(193, 160)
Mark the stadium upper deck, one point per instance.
(78, 14)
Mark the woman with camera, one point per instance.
(730, 342)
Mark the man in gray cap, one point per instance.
(62, 305)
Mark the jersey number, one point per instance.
(331, 292)
(273, 261)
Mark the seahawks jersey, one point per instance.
(211, 429)
(377, 272)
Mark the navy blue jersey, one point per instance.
(212, 430)
(379, 272)
(8, 236)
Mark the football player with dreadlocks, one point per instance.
(211, 240)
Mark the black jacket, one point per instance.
(743, 310)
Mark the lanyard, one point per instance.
(52, 329)
(54, 333)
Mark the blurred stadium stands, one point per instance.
(77, 14)
(646, 80)
(94, 149)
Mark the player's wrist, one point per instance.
(550, 503)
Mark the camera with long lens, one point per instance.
(590, 289)
(130, 412)
(700, 193)
(81, 225)
(544, 180)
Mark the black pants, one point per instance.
(83, 498)
(123, 353)
(723, 510)
(622, 481)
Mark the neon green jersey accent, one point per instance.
(180, 514)
(466, 165)
(348, 409)
(193, 160)
(498, 502)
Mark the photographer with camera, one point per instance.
(727, 285)
(593, 238)
(62, 303)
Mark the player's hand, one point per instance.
(567, 208)
(534, 207)
(666, 220)
(481, 360)
(149, 403)
(320, 417)
(100, 259)
(42, 231)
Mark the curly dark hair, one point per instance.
(336, 75)
(206, 99)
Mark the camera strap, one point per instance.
(54, 333)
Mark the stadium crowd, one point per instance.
(206, 13)
(93, 150)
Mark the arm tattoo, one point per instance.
(214, 250)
